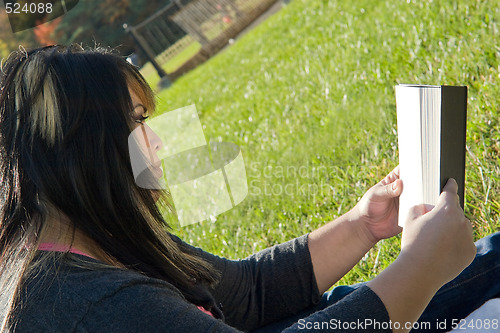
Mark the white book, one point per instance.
(431, 137)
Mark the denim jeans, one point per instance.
(454, 301)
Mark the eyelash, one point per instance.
(141, 120)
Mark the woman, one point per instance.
(83, 248)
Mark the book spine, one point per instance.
(453, 137)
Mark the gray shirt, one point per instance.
(260, 289)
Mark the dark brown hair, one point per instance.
(65, 116)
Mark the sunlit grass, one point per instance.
(179, 59)
(149, 72)
(308, 96)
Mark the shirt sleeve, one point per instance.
(279, 282)
(362, 311)
(150, 307)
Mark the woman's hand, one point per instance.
(378, 209)
(337, 246)
(436, 245)
(439, 239)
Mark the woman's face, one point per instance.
(149, 142)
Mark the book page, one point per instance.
(410, 148)
(430, 111)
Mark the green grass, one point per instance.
(179, 59)
(149, 72)
(309, 97)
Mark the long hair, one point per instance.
(65, 116)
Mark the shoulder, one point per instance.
(61, 298)
(92, 284)
(146, 307)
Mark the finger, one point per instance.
(397, 187)
(469, 226)
(391, 177)
(396, 171)
(417, 211)
(427, 208)
(451, 186)
(470, 231)
(450, 192)
(394, 174)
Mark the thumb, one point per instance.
(451, 186)
(388, 191)
(449, 193)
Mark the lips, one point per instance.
(157, 171)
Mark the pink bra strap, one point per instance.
(205, 310)
(61, 248)
(64, 248)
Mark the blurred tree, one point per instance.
(114, 10)
(89, 22)
(101, 22)
(31, 36)
(44, 33)
(7, 40)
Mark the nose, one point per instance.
(154, 139)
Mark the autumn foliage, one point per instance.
(44, 33)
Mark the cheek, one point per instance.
(150, 144)
(138, 141)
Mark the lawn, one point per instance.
(309, 97)
(149, 72)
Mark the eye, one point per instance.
(141, 119)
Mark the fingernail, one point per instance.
(394, 185)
